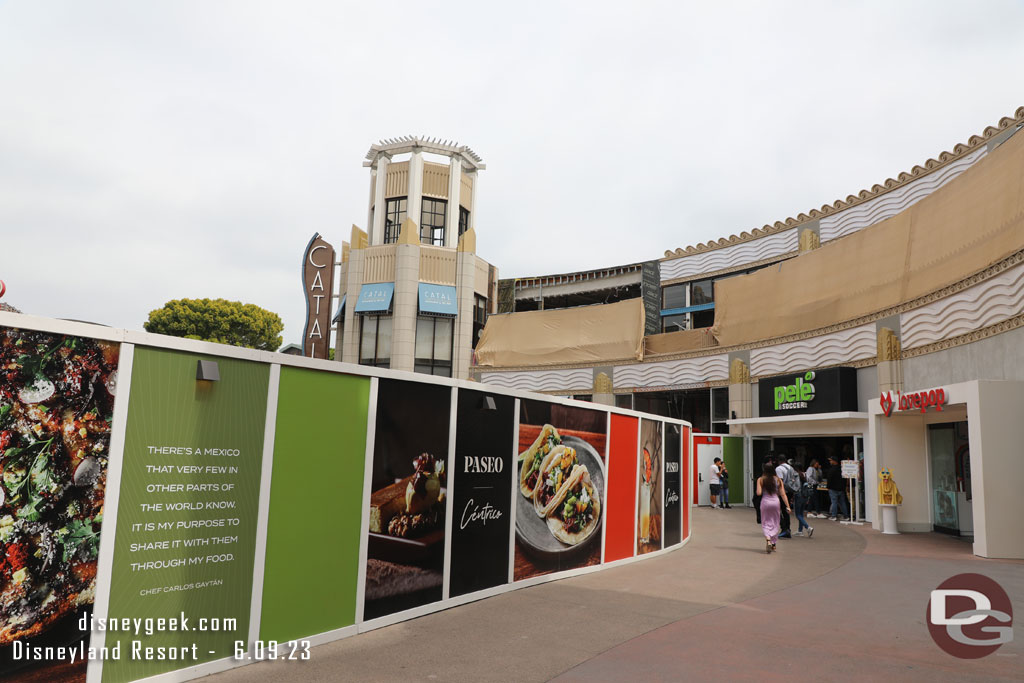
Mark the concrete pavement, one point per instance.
(849, 602)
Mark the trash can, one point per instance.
(889, 525)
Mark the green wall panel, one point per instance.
(316, 499)
(189, 497)
(732, 453)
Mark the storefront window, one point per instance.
(434, 346)
(702, 292)
(375, 341)
(432, 221)
(624, 401)
(696, 409)
(703, 319)
(393, 219)
(673, 296)
(674, 323)
(479, 317)
(720, 404)
(950, 474)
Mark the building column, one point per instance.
(465, 288)
(451, 232)
(414, 202)
(602, 392)
(472, 198)
(379, 202)
(406, 300)
(348, 349)
(890, 363)
(740, 400)
(339, 339)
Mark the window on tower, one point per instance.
(393, 217)
(432, 221)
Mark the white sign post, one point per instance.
(850, 469)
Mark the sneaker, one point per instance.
(810, 531)
(834, 519)
(728, 507)
(785, 534)
(798, 533)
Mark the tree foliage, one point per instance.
(218, 320)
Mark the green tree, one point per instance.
(218, 320)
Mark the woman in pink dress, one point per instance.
(770, 488)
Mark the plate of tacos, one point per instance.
(560, 506)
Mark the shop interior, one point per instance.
(804, 449)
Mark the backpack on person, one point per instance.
(792, 481)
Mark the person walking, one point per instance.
(802, 494)
(723, 474)
(785, 472)
(773, 499)
(716, 482)
(813, 478)
(836, 490)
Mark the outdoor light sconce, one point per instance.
(207, 371)
(734, 414)
(487, 403)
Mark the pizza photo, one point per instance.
(56, 405)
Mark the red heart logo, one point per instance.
(886, 401)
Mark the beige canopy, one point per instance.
(974, 221)
(589, 334)
(678, 342)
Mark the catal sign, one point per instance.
(894, 401)
(317, 283)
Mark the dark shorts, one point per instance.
(715, 489)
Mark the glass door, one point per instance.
(858, 454)
(942, 461)
(759, 448)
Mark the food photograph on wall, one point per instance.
(406, 535)
(561, 480)
(56, 407)
(649, 500)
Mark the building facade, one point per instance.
(414, 295)
(909, 287)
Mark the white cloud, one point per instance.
(158, 150)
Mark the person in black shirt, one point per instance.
(836, 490)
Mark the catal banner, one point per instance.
(317, 283)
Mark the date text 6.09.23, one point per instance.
(271, 650)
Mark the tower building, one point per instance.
(414, 295)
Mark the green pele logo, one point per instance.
(795, 395)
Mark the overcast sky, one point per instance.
(158, 150)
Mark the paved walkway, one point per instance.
(847, 603)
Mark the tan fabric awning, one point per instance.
(588, 334)
(972, 222)
(679, 342)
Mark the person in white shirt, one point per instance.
(716, 482)
(782, 471)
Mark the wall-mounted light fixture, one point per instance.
(207, 371)
(734, 414)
